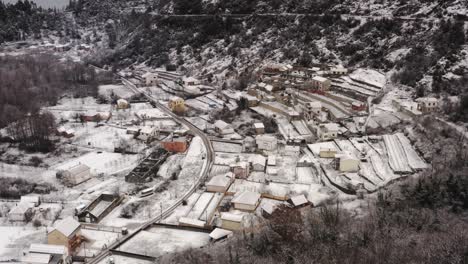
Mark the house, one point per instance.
(68, 133)
(311, 109)
(176, 104)
(259, 128)
(266, 142)
(231, 221)
(220, 183)
(55, 253)
(258, 162)
(95, 211)
(240, 169)
(122, 104)
(147, 133)
(246, 200)
(271, 160)
(92, 116)
(248, 144)
(66, 233)
(267, 208)
(76, 175)
(219, 234)
(292, 150)
(151, 79)
(251, 100)
(327, 152)
(427, 104)
(36, 258)
(320, 83)
(223, 128)
(190, 81)
(19, 212)
(327, 131)
(176, 145)
(339, 70)
(345, 162)
(358, 106)
(298, 201)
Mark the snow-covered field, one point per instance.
(14, 239)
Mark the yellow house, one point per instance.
(347, 162)
(231, 221)
(327, 152)
(176, 104)
(66, 233)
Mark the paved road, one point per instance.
(202, 177)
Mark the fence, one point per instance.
(101, 228)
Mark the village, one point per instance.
(171, 157)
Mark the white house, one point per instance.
(240, 169)
(45, 251)
(147, 132)
(246, 201)
(266, 142)
(219, 233)
(76, 175)
(428, 104)
(312, 109)
(33, 200)
(150, 78)
(298, 200)
(271, 160)
(339, 70)
(320, 83)
(327, 131)
(223, 128)
(346, 162)
(122, 104)
(18, 212)
(220, 183)
(259, 128)
(258, 162)
(191, 81)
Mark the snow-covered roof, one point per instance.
(36, 258)
(315, 104)
(299, 200)
(78, 169)
(191, 222)
(269, 87)
(232, 217)
(272, 170)
(271, 160)
(21, 208)
(122, 101)
(221, 124)
(247, 197)
(320, 79)
(67, 226)
(61, 129)
(221, 180)
(147, 130)
(258, 159)
(330, 127)
(290, 148)
(30, 199)
(175, 98)
(259, 125)
(219, 233)
(268, 138)
(49, 249)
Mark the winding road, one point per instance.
(201, 178)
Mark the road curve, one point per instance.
(203, 174)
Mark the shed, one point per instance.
(259, 128)
(223, 128)
(231, 221)
(34, 200)
(66, 233)
(122, 104)
(76, 175)
(36, 258)
(266, 142)
(298, 201)
(220, 183)
(258, 162)
(246, 201)
(219, 234)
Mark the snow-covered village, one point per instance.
(213, 155)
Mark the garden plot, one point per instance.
(219, 169)
(103, 137)
(200, 206)
(396, 154)
(207, 215)
(158, 241)
(285, 170)
(414, 160)
(307, 175)
(226, 147)
(96, 241)
(121, 91)
(182, 211)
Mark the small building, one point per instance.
(147, 133)
(292, 150)
(151, 79)
(190, 81)
(327, 131)
(231, 221)
(312, 109)
(327, 152)
(345, 162)
(358, 106)
(95, 211)
(339, 70)
(246, 201)
(92, 116)
(298, 201)
(266, 142)
(18, 212)
(320, 83)
(259, 128)
(267, 208)
(240, 169)
(219, 234)
(427, 104)
(223, 128)
(191, 222)
(258, 163)
(220, 183)
(69, 133)
(76, 175)
(55, 253)
(122, 104)
(248, 144)
(176, 104)
(176, 145)
(66, 233)
(271, 160)
(132, 130)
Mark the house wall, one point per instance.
(327, 153)
(258, 167)
(175, 146)
(349, 165)
(57, 238)
(245, 207)
(231, 225)
(213, 188)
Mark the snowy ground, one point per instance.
(15, 239)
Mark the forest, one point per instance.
(32, 81)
